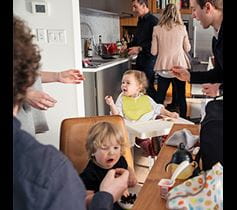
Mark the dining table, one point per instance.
(149, 196)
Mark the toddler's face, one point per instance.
(108, 154)
(130, 86)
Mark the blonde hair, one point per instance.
(141, 78)
(99, 133)
(170, 16)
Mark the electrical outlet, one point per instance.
(56, 36)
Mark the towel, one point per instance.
(183, 136)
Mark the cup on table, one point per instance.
(165, 186)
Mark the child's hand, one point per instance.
(109, 100)
(126, 193)
(174, 115)
(89, 196)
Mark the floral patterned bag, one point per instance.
(201, 192)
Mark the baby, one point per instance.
(105, 146)
(133, 105)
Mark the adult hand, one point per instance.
(39, 99)
(181, 73)
(72, 76)
(134, 50)
(115, 182)
(174, 115)
(123, 49)
(109, 100)
(211, 90)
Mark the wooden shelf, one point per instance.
(128, 21)
(183, 11)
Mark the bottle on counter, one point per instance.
(90, 49)
(100, 49)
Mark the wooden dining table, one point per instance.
(149, 196)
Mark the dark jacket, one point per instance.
(44, 178)
(214, 75)
(143, 38)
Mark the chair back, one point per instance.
(73, 135)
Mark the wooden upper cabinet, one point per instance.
(132, 21)
(156, 5)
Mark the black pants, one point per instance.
(146, 64)
(163, 85)
(211, 135)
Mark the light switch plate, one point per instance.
(41, 35)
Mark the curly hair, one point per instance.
(103, 131)
(26, 58)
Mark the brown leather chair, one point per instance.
(73, 136)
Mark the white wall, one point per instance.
(64, 14)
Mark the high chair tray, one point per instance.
(151, 128)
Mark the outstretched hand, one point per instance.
(72, 76)
(39, 99)
(181, 73)
(211, 89)
(109, 100)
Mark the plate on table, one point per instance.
(128, 202)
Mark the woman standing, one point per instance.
(171, 43)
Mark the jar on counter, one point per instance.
(90, 49)
(100, 48)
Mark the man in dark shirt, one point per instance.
(44, 178)
(141, 44)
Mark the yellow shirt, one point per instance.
(135, 108)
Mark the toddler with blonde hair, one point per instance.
(105, 146)
(134, 105)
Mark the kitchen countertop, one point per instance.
(106, 65)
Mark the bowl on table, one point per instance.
(128, 202)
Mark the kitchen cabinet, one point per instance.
(121, 7)
(184, 6)
(100, 82)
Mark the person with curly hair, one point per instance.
(43, 177)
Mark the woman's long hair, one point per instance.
(171, 16)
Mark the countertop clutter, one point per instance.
(96, 64)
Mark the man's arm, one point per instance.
(72, 76)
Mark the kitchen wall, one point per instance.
(63, 15)
(95, 23)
